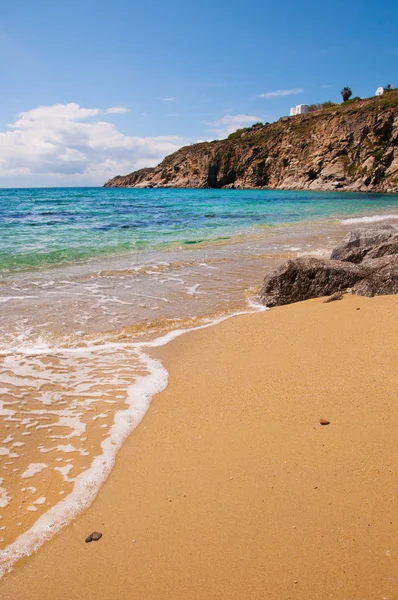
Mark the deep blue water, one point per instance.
(41, 227)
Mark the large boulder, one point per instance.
(386, 248)
(304, 278)
(358, 243)
(382, 279)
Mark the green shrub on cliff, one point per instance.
(321, 106)
(238, 133)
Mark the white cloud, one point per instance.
(230, 123)
(68, 141)
(169, 99)
(117, 110)
(281, 93)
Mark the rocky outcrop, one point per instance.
(374, 242)
(383, 278)
(387, 248)
(305, 278)
(351, 147)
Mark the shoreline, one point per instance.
(233, 237)
(336, 190)
(147, 488)
(139, 397)
(49, 521)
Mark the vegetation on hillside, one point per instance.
(346, 93)
(321, 106)
(238, 133)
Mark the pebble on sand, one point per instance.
(324, 422)
(93, 537)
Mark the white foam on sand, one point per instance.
(32, 469)
(193, 289)
(88, 483)
(4, 497)
(40, 500)
(369, 219)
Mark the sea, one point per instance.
(90, 280)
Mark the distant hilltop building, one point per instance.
(300, 109)
(380, 90)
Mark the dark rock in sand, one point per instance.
(324, 422)
(304, 278)
(382, 279)
(358, 243)
(94, 537)
(366, 261)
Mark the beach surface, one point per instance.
(231, 488)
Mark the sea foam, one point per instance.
(88, 483)
(369, 219)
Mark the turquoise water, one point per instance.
(41, 227)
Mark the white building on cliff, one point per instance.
(379, 91)
(300, 109)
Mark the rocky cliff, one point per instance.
(349, 147)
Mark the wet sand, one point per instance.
(230, 488)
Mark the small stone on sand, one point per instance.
(324, 422)
(93, 537)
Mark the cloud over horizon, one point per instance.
(117, 110)
(230, 123)
(278, 93)
(72, 141)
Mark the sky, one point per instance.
(93, 88)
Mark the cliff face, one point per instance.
(351, 147)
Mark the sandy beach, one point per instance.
(231, 488)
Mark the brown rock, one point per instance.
(324, 422)
(375, 241)
(93, 537)
(383, 278)
(387, 248)
(304, 278)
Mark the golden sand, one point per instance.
(231, 489)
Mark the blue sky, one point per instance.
(91, 89)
